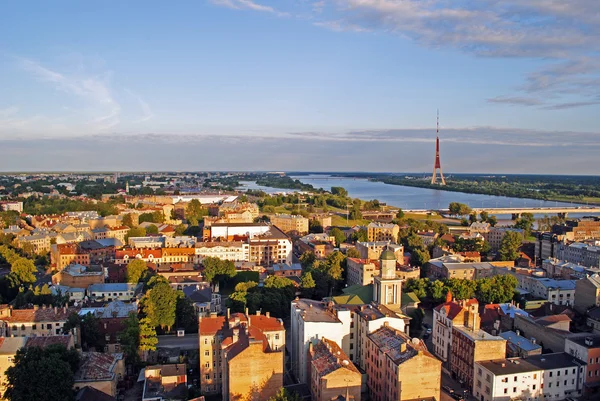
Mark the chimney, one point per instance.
(65, 309)
(268, 314)
(228, 313)
(36, 307)
(236, 335)
(402, 347)
(246, 312)
(55, 309)
(258, 313)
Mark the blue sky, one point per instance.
(300, 84)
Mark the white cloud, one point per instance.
(100, 103)
(565, 33)
(147, 113)
(249, 5)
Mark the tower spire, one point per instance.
(437, 165)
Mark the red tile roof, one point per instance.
(44, 341)
(211, 325)
(39, 315)
(452, 309)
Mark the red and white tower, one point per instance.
(437, 165)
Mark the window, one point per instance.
(277, 336)
(207, 365)
(514, 389)
(207, 377)
(533, 387)
(535, 375)
(207, 353)
(205, 341)
(505, 391)
(550, 374)
(34, 327)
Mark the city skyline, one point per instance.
(300, 85)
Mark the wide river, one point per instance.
(409, 197)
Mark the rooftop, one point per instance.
(10, 345)
(477, 335)
(97, 366)
(114, 287)
(316, 311)
(39, 315)
(556, 360)
(329, 357)
(586, 340)
(396, 345)
(509, 366)
(520, 341)
(551, 283)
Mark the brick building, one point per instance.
(399, 368)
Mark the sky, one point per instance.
(312, 85)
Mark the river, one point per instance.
(410, 197)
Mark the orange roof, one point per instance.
(265, 323)
(39, 315)
(211, 325)
(452, 309)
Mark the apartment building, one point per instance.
(559, 292)
(541, 377)
(124, 256)
(470, 344)
(383, 232)
(235, 251)
(38, 321)
(496, 235)
(587, 293)
(445, 316)
(579, 253)
(39, 242)
(178, 255)
(372, 250)
(361, 271)
(587, 348)
(290, 223)
(271, 247)
(241, 356)
(322, 245)
(399, 368)
(332, 374)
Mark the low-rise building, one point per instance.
(235, 251)
(518, 346)
(496, 235)
(112, 321)
(165, 382)
(38, 321)
(38, 242)
(322, 245)
(114, 291)
(399, 368)
(372, 250)
(101, 371)
(559, 292)
(332, 374)
(579, 252)
(124, 256)
(8, 349)
(78, 276)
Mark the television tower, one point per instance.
(437, 165)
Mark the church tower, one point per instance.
(387, 288)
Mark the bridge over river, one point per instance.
(516, 212)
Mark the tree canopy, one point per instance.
(160, 303)
(509, 247)
(42, 374)
(135, 270)
(216, 269)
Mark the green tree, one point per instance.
(459, 209)
(339, 191)
(130, 338)
(160, 303)
(186, 316)
(135, 232)
(180, 229)
(497, 289)
(509, 247)
(307, 284)
(525, 222)
(492, 220)
(355, 213)
(24, 270)
(400, 214)
(148, 338)
(135, 270)
(353, 253)
(42, 374)
(339, 235)
(361, 235)
(128, 220)
(417, 285)
(484, 215)
(216, 269)
(438, 290)
(462, 289)
(278, 282)
(151, 229)
(194, 211)
(419, 257)
(307, 259)
(414, 242)
(285, 395)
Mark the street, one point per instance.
(188, 342)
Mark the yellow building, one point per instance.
(332, 374)
(290, 222)
(241, 356)
(383, 232)
(399, 368)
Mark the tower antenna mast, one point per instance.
(437, 165)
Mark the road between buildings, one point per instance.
(187, 342)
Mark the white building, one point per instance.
(539, 377)
(580, 253)
(559, 292)
(12, 206)
(235, 251)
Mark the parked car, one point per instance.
(448, 389)
(429, 331)
(457, 397)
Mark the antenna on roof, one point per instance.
(437, 130)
